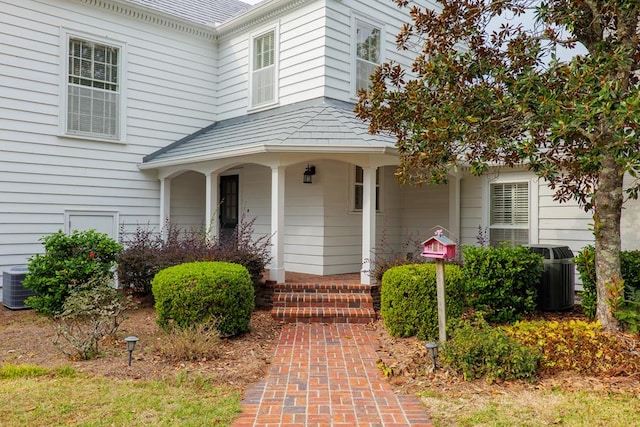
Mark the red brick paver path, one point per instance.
(326, 375)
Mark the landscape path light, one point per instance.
(433, 350)
(131, 345)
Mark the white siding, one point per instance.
(563, 223)
(170, 79)
(300, 60)
(188, 201)
(339, 49)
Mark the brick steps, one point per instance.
(323, 303)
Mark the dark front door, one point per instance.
(228, 205)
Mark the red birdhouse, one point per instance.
(439, 247)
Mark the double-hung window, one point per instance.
(367, 52)
(263, 69)
(509, 213)
(93, 89)
(358, 189)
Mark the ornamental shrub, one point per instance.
(218, 293)
(502, 281)
(628, 311)
(92, 312)
(69, 260)
(586, 266)
(478, 350)
(147, 252)
(408, 299)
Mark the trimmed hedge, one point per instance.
(204, 292)
(408, 299)
(502, 281)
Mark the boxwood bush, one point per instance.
(219, 293)
(502, 281)
(408, 299)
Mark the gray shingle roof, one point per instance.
(320, 124)
(200, 11)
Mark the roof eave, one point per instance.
(262, 148)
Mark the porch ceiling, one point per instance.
(322, 125)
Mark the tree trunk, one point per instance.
(607, 213)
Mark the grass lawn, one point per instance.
(534, 408)
(32, 396)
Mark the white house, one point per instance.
(126, 113)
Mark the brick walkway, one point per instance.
(326, 375)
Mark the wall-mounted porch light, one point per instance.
(308, 173)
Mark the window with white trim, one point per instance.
(263, 71)
(358, 188)
(509, 216)
(367, 52)
(93, 89)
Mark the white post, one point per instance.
(212, 225)
(277, 272)
(368, 222)
(165, 204)
(454, 206)
(440, 290)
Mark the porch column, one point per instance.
(454, 206)
(165, 204)
(368, 222)
(212, 224)
(277, 224)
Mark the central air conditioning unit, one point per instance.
(13, 292)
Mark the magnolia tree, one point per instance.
(487, 89)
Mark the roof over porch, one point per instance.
(321, 125)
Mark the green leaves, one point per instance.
(69, 260)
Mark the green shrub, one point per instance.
(68, 261)
(217, 293)
(502, 281)
(630, 270)
(478, 350)
(408, 299)
(586, 266)
(92, 311)
(147, 252)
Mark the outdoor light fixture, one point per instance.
(308, 173)
(131, 345)
(433, 350)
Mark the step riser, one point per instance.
(302, 301)
(323, 303)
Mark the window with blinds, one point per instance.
(263, 75)
(367, 53)
(509, 213)
(93, 89)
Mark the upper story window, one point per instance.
(359, 189)
(263, 69)
(368, 52)
(509, 213)
(93, 98)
